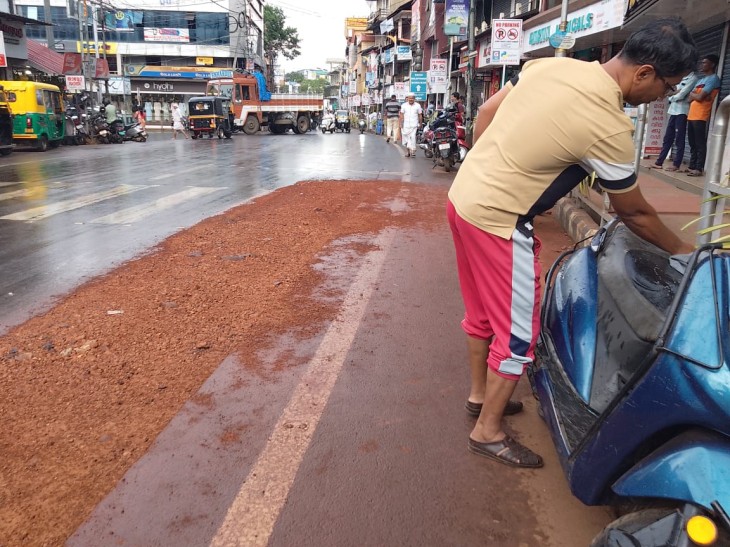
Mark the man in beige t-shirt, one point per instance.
(535, 140)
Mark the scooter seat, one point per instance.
(639, 280)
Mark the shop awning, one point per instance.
(44, 59)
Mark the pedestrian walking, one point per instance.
(677, 124)
(392, 113)
(514, 173)
(411, 118)
(139, 117)
(177, 122)
(698, 116)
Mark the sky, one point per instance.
(321, 28)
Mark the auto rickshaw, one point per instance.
(38, 120)
(209, 116)
(6, 125)
(342, 120)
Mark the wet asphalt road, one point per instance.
(74, 212)
(382, 460)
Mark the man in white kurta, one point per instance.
(411, 117)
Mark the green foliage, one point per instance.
(297, 77)
(313, 86)
(279, 38)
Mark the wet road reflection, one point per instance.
(75, 212)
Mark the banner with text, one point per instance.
(178, 35)
(3, 58)
(456, 16)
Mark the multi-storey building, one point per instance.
(162, 49)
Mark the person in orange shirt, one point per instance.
(700, 110)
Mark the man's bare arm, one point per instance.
(642, 219)
(488, 110)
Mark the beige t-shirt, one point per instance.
(561, 120)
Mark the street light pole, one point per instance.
(560, 52)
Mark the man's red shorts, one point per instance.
(500, 285)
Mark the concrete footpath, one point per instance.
(675, 196)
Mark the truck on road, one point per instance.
(253, 106)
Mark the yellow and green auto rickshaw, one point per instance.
(209, 116)
(38, 114)
(6, 125)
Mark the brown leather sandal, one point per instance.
(513, 407)
(507, 451)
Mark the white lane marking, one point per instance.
(45, 211)
(15, 194)
(138, 212)
(253, 513)
(185, 171)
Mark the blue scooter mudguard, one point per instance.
(694, 466)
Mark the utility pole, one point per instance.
(49, 29)
(471, 45)
(560, 52)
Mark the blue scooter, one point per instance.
(633, 380)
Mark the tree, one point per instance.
(278, 38)
(313, 86)
(297, 77)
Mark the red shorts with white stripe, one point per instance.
(500, 285)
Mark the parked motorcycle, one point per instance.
(99, 127)
(131, 132)
(633, 380)
(75, 127)
(445, 141)
(424, 138)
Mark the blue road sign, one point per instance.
(419, 85)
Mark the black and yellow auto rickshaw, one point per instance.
(209, 116)
(6, 125)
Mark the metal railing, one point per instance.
(716, 182)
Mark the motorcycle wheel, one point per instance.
(628, 524)
(220, 132)
(324, 131)
(428, 152)
(194, 136)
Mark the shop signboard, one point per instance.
(3, 58)
(119, 85)
(388, 56)
(356, 100)
(75, 83)
(600, 16)
(90, 47)
(437, 78)
(456, 16)
(365, 99)
(404, 53)
(204, 61)
(370, 79)
(416, 21)
(506, 41)
(400, 91)
(177, 35)
(485, 54)
(419, 85)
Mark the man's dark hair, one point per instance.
(392, 96)
(714, 59)
(456, 95)
(665, 44)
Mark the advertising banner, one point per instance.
(72, 63)
(365, 99)
(456, 16)
(122, 21)
(506, 41)
(102, 69)
(3, 58)
(386, 26)
(370, 79)
(656, 121)
(404, 53)
(75, 83)
(178, 35)
(400, 90)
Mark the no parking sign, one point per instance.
(506, 41)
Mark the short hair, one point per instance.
(714, 59)
(392, 96)
(456, 94)
(665, 44)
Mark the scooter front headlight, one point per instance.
(701, 530)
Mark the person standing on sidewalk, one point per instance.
(699, 113)
(677, 124)
(392, 113)
(411, 118)
(514, 173)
